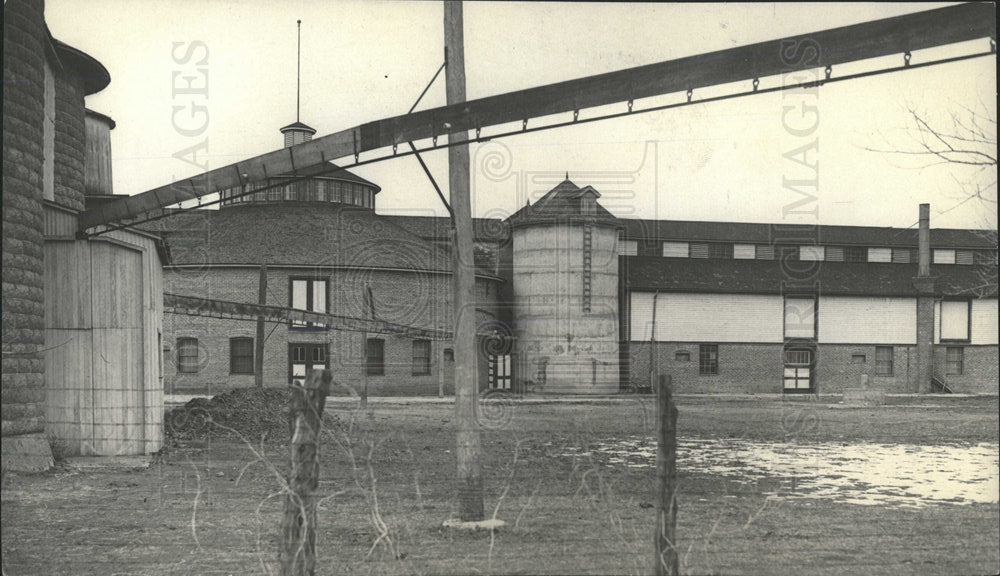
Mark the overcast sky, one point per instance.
(364, 61)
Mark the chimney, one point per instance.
(924, 285)
(924, 242)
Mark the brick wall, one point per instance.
(980, 374)
(402, 297)
(839, 366)
(743, 368)
(23, 313)
(69, 140)
(757, 368)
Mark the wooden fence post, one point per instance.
(297, 555)
(666, 480)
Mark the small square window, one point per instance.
(449, 354)
(765, 252)
(858, 359)
(812, 253)
(944, 256)
(744, 251)
(880, 255)
(675, 249)
(682, 356)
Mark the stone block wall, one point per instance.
(23, 392)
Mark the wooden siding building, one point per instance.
(81, 318)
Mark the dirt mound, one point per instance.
(252, 413)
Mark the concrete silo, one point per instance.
(565, 282)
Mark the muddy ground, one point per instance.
(208, 505)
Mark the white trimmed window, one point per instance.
(954, 322)
(675, 249)
(880, 254)
(744, 251)
(944, 256)
(800, 317)
(812, 253)
(628, 248)
(308, 294)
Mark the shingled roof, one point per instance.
(438, 228)
(308, 235)
(649, 273)
(561, 204)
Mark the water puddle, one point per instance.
(858, 473)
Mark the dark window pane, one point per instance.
(241, 355)
(955, 361)
(883, 360)
(187, 355)
(708, 359)
(375, 356)
(421, 357)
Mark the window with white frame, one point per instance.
(944, 256)
(800, 317)
(880, 254)
(812, 253)
(954, 320)
(308, 294)
(675, 249)
(744, 251)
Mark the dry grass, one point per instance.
(564, 515)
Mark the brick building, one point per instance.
(574, 300)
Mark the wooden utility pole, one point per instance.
(665, 559)
(368, 301)
(297, 553)
(258, 353)
(470, 479)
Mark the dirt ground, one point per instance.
(210, 507)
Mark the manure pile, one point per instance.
(251, 412)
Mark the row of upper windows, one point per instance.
(727, 251)
(306, 191)
(241, 356)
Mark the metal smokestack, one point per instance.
(924, 242)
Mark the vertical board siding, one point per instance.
(67, 274)
(984, 321)
(707, 317)
(57, 223)
(69, 415)
(869, 320)
(104, 387)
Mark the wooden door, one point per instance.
(118, 350)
